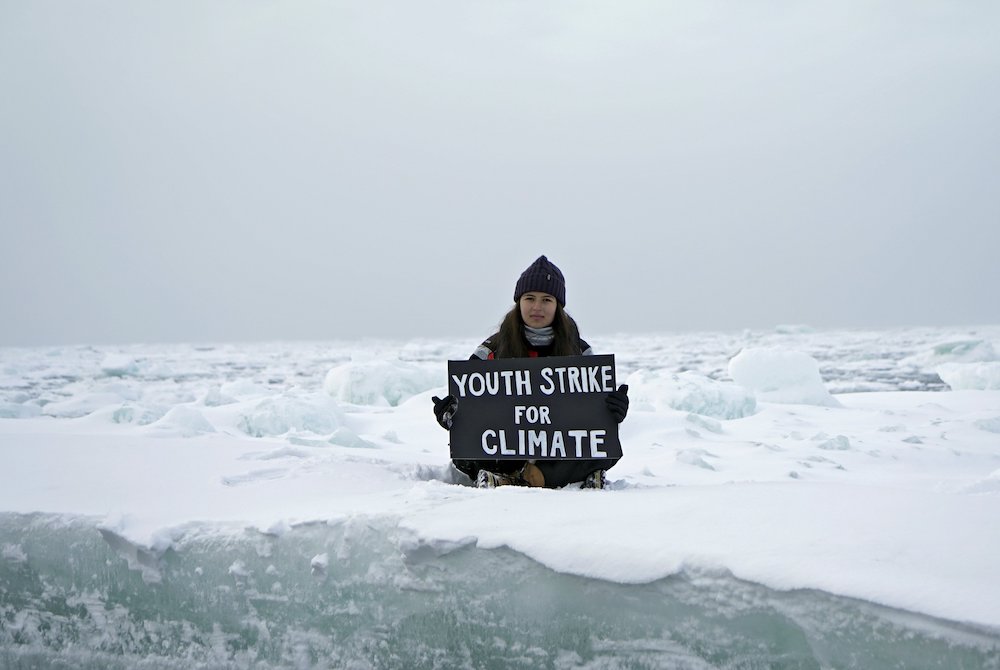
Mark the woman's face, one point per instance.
(538, 309)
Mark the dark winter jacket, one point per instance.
(487, 350)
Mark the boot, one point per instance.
(490, 480)
(595, 480)
(532, 476)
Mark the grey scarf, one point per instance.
(539, 337)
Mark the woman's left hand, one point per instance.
(618, 402)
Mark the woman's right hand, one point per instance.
(444, 410)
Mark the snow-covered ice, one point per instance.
(814, 477)
(977, 376)
(781, 376)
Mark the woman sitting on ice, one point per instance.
(537, 325)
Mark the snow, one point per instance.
(737, 458)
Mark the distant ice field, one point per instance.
(850, 360)
(789, 498)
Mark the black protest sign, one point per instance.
(533, 408)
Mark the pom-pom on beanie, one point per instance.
(542, 276)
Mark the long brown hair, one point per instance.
(511, 342)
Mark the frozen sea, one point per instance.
(789, 498)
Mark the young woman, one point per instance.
(537, 325)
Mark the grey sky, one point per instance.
(316, 170)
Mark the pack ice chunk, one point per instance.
(780, 376)
(183, 421)
(380, 383)
(970, 376)
(315, 413)
(690, 392)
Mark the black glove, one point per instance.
(618, 402)
(445, 408)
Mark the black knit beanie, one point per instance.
(542, 276)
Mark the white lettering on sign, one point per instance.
(536, 438)
(494, 440)
(546, 444)
(596, 440)
(488, 446)
(531, 414)
(507, 382)
(588, 379)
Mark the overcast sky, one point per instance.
(233, 171)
